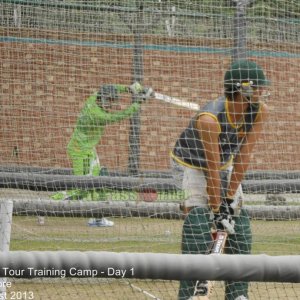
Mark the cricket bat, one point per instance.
(203, 289)
(176, 101)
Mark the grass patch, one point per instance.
(127, 234)
(137, 235)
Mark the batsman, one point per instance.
(210, 159)
(101, 109)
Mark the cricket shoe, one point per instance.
(103, 222)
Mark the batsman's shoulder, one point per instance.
(208, 122)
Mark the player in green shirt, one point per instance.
(99, 110)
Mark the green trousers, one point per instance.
(84, 163)
(196, 239)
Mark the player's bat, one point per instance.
(176, 101)
(203, 289)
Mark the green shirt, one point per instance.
(92, 121)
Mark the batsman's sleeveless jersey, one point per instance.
(188, 149)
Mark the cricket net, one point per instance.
(55, 54)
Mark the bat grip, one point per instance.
(228, 226)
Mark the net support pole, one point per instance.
(135, 121)
(6, 210)
(240, 30)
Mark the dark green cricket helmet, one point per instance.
(106, 94)
(243, 71)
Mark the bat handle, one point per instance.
(213, 232)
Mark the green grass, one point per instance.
(128, 234)
(276, 237)
(137, 235)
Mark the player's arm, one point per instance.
(142, 93)
(112, 92)
(93, 116)
(209, 130)
(122, 88)
(136, 89)
(107, 117)
(242, 160)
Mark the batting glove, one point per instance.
(136, 88)
(147, 93)
(143, 93)
(222, 219)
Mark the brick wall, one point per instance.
(44, 86)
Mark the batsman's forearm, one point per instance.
(123, 114)
(236, 179)
(242, 160)
(213, 188)
(237, 175)
(122, 88)
(240, 167)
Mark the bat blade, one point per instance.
(203, 289)
(176, 101)
(219, 242)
